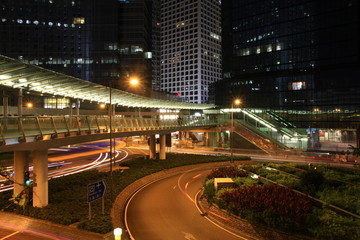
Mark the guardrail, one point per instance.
(18, 129)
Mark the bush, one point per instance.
(100, 224)
(288, 181)
(325, 224)
(346, 197)
(311, 181)
(282, 201)
(227, 172)
(246, 181)
(217, 197)
(273, 220)
(209, 190)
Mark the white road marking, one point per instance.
(14, 233)
(188, 236)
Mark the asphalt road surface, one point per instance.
(166, 210)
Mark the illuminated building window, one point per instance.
(57, 103)
(148, 55)
(124, 49)
(111, 46)
(297, 85)
(181, 24)
(79, 20)
(215, 36)
(136, 49)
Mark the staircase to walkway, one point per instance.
(276, 128)
(258, 138)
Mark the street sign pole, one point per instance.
(103, 206)
(89, 211)
(94, 192)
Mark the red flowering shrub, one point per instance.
(282, 201)
(229, 172)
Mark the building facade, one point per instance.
(293, 56)
(137, 39)
(69, 36)
(190, 47)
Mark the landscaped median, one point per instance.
(259, 196)
(68, 195)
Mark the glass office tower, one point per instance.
(292, 55)
(298, 59)
(77, 38)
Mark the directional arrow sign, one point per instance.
(96, 191)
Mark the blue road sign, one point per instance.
(96, 191)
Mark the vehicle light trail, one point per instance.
(101, 161)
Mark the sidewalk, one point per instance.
(53, 231)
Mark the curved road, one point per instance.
(166, 209)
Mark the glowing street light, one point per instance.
(235, 102)
(29, 105)
(102, 105)
(134, 81)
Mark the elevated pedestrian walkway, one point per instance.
(54, 131)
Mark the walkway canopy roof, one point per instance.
(16, 74)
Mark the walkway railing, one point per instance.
(18, 129)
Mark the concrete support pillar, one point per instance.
(20, 102)
(152, 147)
(206, 139)
(187, 135)
(5, 104)
(70, 109)
(77, 106)
(219, 139)
(180, 135)
(21, 164)
(162, 154)
(40, 176)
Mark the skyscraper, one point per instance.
(136, 44)
(190, 47)
(78, 38)
(293, 56)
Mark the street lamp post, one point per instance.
(134, 82)
(111, 142)
(235, 102)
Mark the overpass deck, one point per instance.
(42, 132)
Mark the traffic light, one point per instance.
(27, 177)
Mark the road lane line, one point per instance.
(10, 235)
(197, 176)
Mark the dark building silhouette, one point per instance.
(78, 38)
(138, 44)
(299, 58)
(103, 41)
